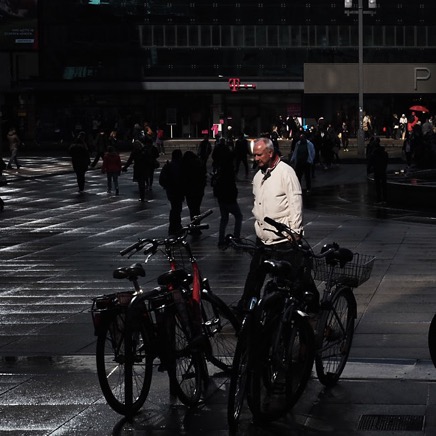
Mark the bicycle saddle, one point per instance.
(278, 267)
(131, 272)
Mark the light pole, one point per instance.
(372, 4)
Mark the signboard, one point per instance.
(377, 78)
(18, 25)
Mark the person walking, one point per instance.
(204, 150)
(80, 159)
(226, 192)
(160, 136)
(277, 194)
(139, 158)
(302, 160)
(241, 154)
(14, 144)
(100, 145)
(378, 165)
(152, 164)
(403, 126)
(171, 180)
(112, 168)
(194, 183)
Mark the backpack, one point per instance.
(302, 153)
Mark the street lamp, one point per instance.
(372, 4)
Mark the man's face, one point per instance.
(262, 155)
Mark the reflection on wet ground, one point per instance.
(357, 200)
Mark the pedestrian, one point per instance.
(204, 150)
(378, 165)
(14, 144)
(369, 150)
(277, 194)
(171, 180)
(226, 192)
(160, 136)
(241, 154)
(302, 160)
(345, 136)
(403, 126)
(112, 168)
(221, 154)
(80, 159)
(101, 143)
(152, 163)
(139, 158)
(194, 183)
(407, 150)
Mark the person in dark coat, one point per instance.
(226, 192)
(139, 158)
(171, 180)
(101, 144)
(194, 182)
(378, 165)
(241, 154)
(152, 163)
(80, 159)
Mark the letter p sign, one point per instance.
(421, 73)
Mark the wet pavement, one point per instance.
(58, 250)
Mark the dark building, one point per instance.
(186, 65)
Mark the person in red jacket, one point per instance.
(112, 168)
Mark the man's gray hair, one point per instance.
(268, 143)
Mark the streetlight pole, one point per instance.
(360, 134)
(372, 4)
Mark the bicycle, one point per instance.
(133, 328)
(276, 345)
(334, 323)
(431, 340)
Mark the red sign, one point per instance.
(235, 84)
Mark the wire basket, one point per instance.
(353, 274)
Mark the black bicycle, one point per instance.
(168, 323)
(272, 390)
(276, 345)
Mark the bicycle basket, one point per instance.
(105, 306)
(353, 274)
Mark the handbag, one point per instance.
(3, 181)
(156, 164)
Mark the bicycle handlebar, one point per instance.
(331, 252)
(153, 244)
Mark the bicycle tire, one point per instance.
(111, 360)
(283, 369)
(220, 327)
(335, 330)
(185, 363)
(239, 378)
(432, 340)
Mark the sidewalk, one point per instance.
(58, 250)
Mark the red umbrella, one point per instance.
(418, 108)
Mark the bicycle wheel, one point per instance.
(334, 336)
(221, 327)
(111, 365)
(185, 363)
(432, 340)
(284, 368)
(239, 379)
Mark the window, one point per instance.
(193, 36)
(182, 36)
(205, 36)
(273, 37)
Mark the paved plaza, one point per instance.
(58, 250)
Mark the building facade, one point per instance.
(187, 65)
